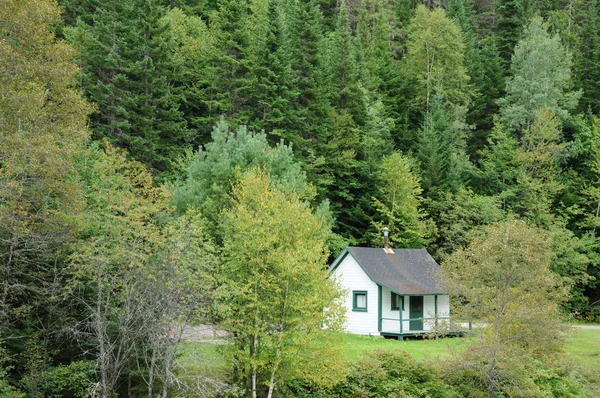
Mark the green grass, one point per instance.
(418, 348)
(582, 346)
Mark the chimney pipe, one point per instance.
(385, 238)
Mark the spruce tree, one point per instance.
(440, 153)
(126, 67)
(343, 64)
(273, 87)
(508, 28)
(311, 105)
(587, 61)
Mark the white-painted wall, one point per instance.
(443, 305)
(352, 277)
(391, 318)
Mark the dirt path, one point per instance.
(204, 333)
(596, 327)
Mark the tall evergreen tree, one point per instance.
(233, 38)
(273, 90)
(343, 64)
(312, 104)
(126, 73)
(509, 27)
(440, 153)
(587, 59)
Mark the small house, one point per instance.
(390, 292)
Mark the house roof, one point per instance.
(406, 271)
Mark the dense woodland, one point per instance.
(161, 159)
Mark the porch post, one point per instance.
(400, 312)
(435, 298)
(379, 308)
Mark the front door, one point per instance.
(416, 312)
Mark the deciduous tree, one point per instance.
(42, 132)
(435, 58)
(504, 280)
(278, 294)
(541, 77)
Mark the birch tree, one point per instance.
(434, 58)
(276, 288)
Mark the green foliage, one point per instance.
(398, 205)
(391, 373)
(435, 58)
(126, 71)
(275, 287)
(138, 275)
(523, 376)
(43, 130)
(216, 167)
(440, 152)
(508, 27)
(586, 57)
(460, 216)
(504, 280)
(541, 77)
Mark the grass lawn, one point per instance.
(202, 359)
(418, 348)
(583, 347)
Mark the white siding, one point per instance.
(390, 322)
(443, 307)
(352, 277)
(428, 312)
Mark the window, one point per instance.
(359, 300)
(397, 302)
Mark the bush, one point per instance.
(380, 374)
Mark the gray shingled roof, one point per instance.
(407, 271)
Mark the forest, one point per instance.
(172, 162)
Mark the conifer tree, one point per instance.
(233, 38)
(273, 90)
(587, 59)
(509, 26)
(126, 67)
(343, 64)
(442, 161)
(312, 104)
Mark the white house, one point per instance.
(390, 292)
